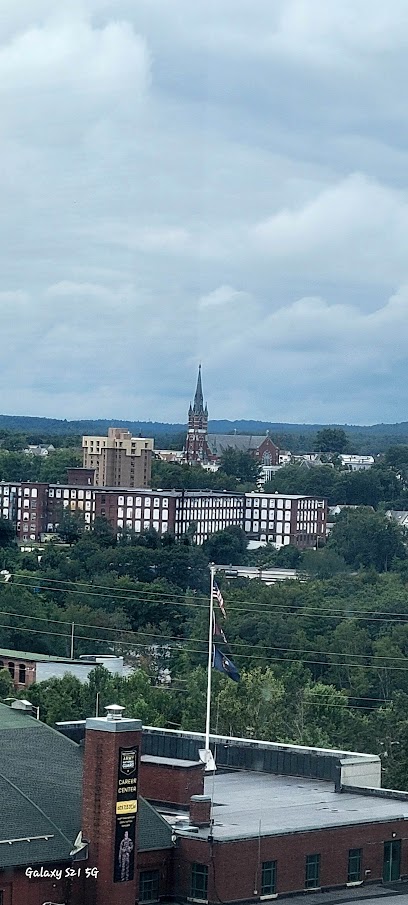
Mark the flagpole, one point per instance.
(210, 652)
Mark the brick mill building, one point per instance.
(109, 813)
(37, 509)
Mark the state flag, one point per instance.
(225, 665)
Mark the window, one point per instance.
(312, 878)
(354, 865)
(199, 882)
(268, 887)
(21, 673)
(11, 669)
(148, 886)
(392, 861)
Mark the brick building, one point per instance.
(37, 509)
(108, 813)
(119, 460)
(285, 519)
(26, 667)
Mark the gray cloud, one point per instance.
(223, 181)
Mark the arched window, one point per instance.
(267, 458)
(11, 669)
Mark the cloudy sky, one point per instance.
(214, 180)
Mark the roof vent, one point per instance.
(21, 704)
(114, 712)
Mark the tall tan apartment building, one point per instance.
(119, 459)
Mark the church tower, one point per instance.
(196, 442)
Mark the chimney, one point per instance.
(110, 804)
(200, 810)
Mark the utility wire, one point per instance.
(268, 609)
(180, 647)
(158, 637)
(197, 597)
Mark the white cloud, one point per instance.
(352, 229)
(216, 180)
(223, 295)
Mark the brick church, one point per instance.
(203, 448)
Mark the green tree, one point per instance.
(53, 468)
(239, 464)
(253, 706)
(228, 546)
(71, 526)
(7, 533)
(331, 440)
(366, 538)
(103, 532)
(6, 684)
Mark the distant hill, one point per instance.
(32, 424)
(374, 438)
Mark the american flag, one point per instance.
(220, 600)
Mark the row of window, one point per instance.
(264, 502)
(199, 875)
(12, 670)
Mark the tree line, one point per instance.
(323, 659)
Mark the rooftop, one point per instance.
(40, 791)
(286, 804)
(5, 653)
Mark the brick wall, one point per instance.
(235, 869)
(169, 783)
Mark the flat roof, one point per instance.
(47, 658)
(288, 804)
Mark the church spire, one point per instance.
(196, 448)
(198, 408)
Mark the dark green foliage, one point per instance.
(331, 440)
(7, 535)
(240, 465)
(17, 466)
(71, 526)
(366, 538)
(225, 547)
(184, 477)
(6, 684)
(359, 488)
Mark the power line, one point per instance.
(160, 637)
(180, 646)
(197, 597)
(268, 609)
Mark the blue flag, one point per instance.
(225, 665)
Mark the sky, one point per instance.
(214, 181)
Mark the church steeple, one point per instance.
(196, 443)
(198, 408)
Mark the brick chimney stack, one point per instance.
(110, 805)
(200, 810)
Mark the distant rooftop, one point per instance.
(48, 658)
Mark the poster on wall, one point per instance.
(126, 811)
